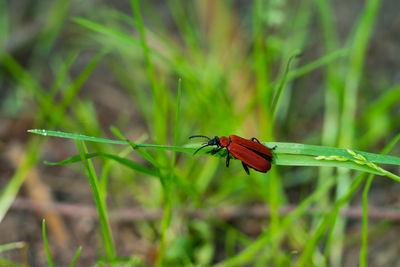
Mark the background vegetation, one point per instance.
(83, 67)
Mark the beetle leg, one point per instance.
(255, 139)
(214, 151)
(246, 168)
(227, 159)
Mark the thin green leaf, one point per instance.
(282, 82)
(11, 246)
(145, 154)
(46, 245)
(295, 148)
(99, 200)
(364, 240)
(126, 162)
(178, 106)
(78, 252)
(77, 137)
(293, 74)
(107, 31)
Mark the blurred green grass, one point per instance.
(119, 63)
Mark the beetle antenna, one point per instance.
(200, 148)
(203, 136)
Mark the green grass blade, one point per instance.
(282, 148)
(99, 200)
(78, 252)
(9, 192)
(282, 82)
(364, 241)
(126, 162)
(307, 68)
(295, 148)
(178, 107)
(136, 147)
(46, 244)
(81, 79)
(77, 137)
(22, 76)
(113, 34)
(11, 246)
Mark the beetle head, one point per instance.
(211, 142)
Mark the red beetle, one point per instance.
(251, 152)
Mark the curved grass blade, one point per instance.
(282, 82)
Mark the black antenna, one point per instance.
(203, 136)
(200, 148)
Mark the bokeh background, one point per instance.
(84, 66)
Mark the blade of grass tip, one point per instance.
(61, 74)
(364, 241)
(279, 89)
(178, 106)
(76, 136)
(101, 207)
(109, 141)
(46, 245)
(81, 79)
(78, 252)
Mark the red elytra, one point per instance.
(251, 152)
